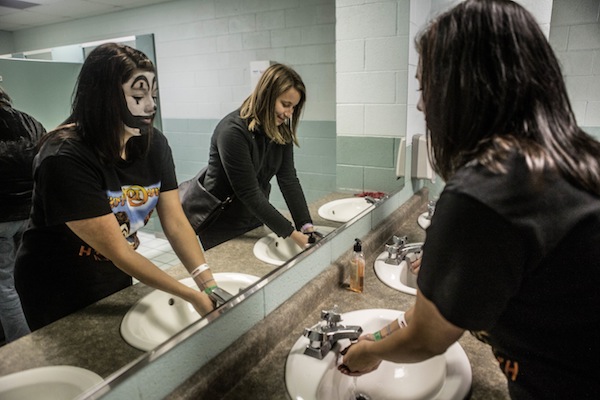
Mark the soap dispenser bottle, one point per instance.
(357, 268)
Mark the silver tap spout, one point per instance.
(394, 248)
(219, 296)
(371, 200)
(325, 334)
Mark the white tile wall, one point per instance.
(575, 37)
(371, 65)
(204, 48)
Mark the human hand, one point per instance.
(357, 361)
(202, 303)
(300, 239)
(415, 265)
(367, 336)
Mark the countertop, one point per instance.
(91, 339)
(238, 376)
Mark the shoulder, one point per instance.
(64, 143)
(233, 129)
(478, 181)
(232, 122)
(159, 138)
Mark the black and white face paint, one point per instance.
(140, 97)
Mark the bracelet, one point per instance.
(199, 269)
(210, 289)
(306, 226)
(377, 336)
(402, 321)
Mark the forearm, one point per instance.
(427, 334)
(185, 243)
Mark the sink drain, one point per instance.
(362, 396)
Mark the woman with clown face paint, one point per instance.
(248, 148)
(98, 178)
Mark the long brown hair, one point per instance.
(259, 108)
(98, 104)
(491, 83)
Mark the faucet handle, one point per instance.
(331, 316)
(399, 240)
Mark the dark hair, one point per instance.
(5, 99)
(98, 101)
(491, 83)
(259, 108)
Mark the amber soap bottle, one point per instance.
(357, 268)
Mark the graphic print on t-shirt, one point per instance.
(132, 207)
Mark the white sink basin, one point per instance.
(344, 210)
(447, 376)
(60, 382)
(395, 276)
(159, 315)
(275, 250)
(423, 220)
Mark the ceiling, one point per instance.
(16, 14)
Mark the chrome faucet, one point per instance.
(400, 249)
(219, 296)
(394, 249)
(430, 209)
(370, 200)
(325, 334)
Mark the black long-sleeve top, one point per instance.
(243, 163)
(19, 134)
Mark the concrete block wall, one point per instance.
(372, 84)
(203, 52)
(575, 37)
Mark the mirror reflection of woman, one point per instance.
(248, 148)
(512, 253)
(98, 178)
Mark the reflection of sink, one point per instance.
(160, 315)
(344, 210)
(423, 221)
(55, 382)
(395, 276)
(447, 376)
(275, 250)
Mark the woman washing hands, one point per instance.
(249, 147)
(98, 178)
(521, 201)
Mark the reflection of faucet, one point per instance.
(327, 332)
(219, 296)
(430, 209)
(370, 200)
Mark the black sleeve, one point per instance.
(291, 189)
(473, 262)
(234, 151)
(168, 176)
(70, 190)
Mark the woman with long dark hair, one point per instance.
(512, 251)
(98, 178)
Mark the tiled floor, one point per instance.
(157, 250)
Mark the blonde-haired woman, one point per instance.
(248, 148)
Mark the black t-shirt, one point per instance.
(57, 273)
(517, 261)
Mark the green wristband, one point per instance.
(210, 289)
(377, 336)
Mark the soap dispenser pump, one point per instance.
(357, 268)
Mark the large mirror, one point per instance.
(350, 131)
(205, 53)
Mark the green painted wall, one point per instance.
(40, 88)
